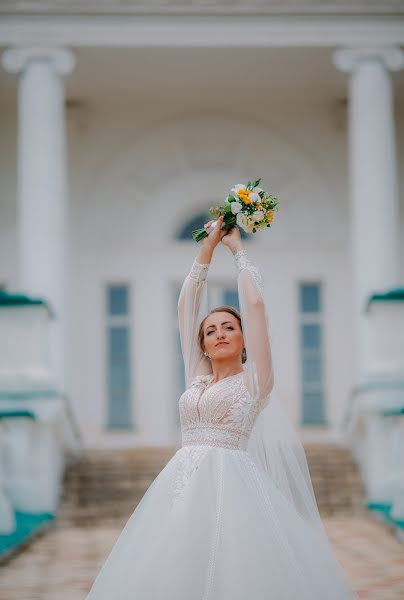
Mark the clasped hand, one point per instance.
(229, 237)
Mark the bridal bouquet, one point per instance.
(248, 206)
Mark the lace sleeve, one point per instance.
(192, 307)
(258, 366)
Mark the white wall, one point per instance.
(129, 161)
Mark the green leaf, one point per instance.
(229, 219)
(257, 182)
(231, 198)
(199, 234)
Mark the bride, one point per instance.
(232, 515)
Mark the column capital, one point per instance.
(15, 59)
(348, 59)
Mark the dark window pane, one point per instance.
(310, 298)
(313, 404)
(311, 336)
(118, 377)
(312, 369)
(230, 298)
(118, 296)
(313, 401)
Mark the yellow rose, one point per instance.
(245, 196)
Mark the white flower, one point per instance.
(258, 190)
(244, 222)
(241, 220)
(235, 207)
(254, 197)
(238, 187)
(258, 215)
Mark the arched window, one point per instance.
(197, 221)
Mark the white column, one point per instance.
(42, 192)
(374, 201)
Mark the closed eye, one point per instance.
(212, 330)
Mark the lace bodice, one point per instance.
(221, 414)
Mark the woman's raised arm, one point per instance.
(192, 303)
(258, 367)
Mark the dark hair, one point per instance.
(228, 309)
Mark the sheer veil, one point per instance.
(274, 443)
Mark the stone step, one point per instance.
(336, 479)
(106, 485)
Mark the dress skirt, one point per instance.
(213, 526)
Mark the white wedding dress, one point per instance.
(218, 523)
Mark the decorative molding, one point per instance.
(215, 30)
(347, 59)
(15, 60)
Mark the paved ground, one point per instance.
(62, 564)
(371, 556)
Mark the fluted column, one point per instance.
(41, 189)
(374, 200)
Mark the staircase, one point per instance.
(336, 480)
(106, 485)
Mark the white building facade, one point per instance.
(122, 123)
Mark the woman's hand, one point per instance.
(232, 239)
(214, 237)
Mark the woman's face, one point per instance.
(223, 337)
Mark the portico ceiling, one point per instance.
(129, 48)
(135, 73)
